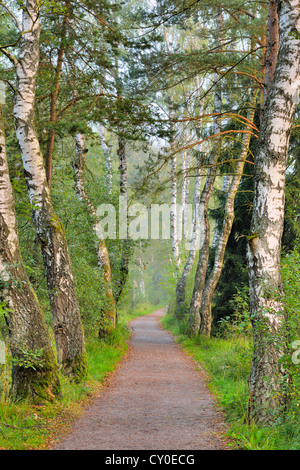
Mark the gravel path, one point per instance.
(156, 400)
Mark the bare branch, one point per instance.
(13, 16)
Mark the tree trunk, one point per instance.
(194, 311)
(173, 211)
(34, 368)
(107, 154)
(54, 96)
(108, 318)
(272, 47)
(181, 284)
(61, 287)
(126, 245)
(223, 235)
(173, 205)
(267, 379)
(195, 235)
(195, 305)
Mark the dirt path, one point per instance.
(157, 400)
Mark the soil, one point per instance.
(156, 400)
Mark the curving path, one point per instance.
(156, 400)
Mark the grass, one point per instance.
(227, 363)
(24, 426)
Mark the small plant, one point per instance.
(239, 323)
(30, 359)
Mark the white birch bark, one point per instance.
(26, 324)
(199, 283)
(107, 154)
(109, 312)
(183, 210)
(173, 204)
(264, 248)
(223, 234)
(195, 243)
(173, 211)
(227, 180)
(61, 287)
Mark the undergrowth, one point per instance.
(24, 426)
(227, 362)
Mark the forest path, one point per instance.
(156, 400)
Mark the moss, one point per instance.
(38, 383)
(57, 224)
(77, 368)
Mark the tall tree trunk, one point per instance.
(54, 95)
(107, 154)
(34, 368)
(126, 245)
(267, 377)
(199, 282)
(173, 205)
(173, 211)
(182, 281)
(272, 47)
(61, 286)
(183, 210)
(108, 318)
(223, 235)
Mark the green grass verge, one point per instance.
(27, 427)
(227, 363)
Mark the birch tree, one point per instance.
(108, 317)
(106, 149)
(67, 324)
(200, 276)
(34, 366)
(223, 235)
(195, 233)
(267, 377)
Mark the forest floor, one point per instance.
(157, 399)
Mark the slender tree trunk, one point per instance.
(272, 47)
(173, 211)
(227, 180)
(195, 235)
(34, 368)
(194, 241)
(108, 319)
(107, 154)
(183, 211)
(61, 286)
(126, 245)
(54, 96)
(223, 235)
(267, 377)
(173, 205)
(199, 283)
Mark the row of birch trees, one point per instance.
(69, 52)
(229, 85)
(216, 84)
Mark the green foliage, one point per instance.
(30, 359)
(238, 323)
(26, 427)
(227, 363)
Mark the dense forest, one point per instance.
(149, 156)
